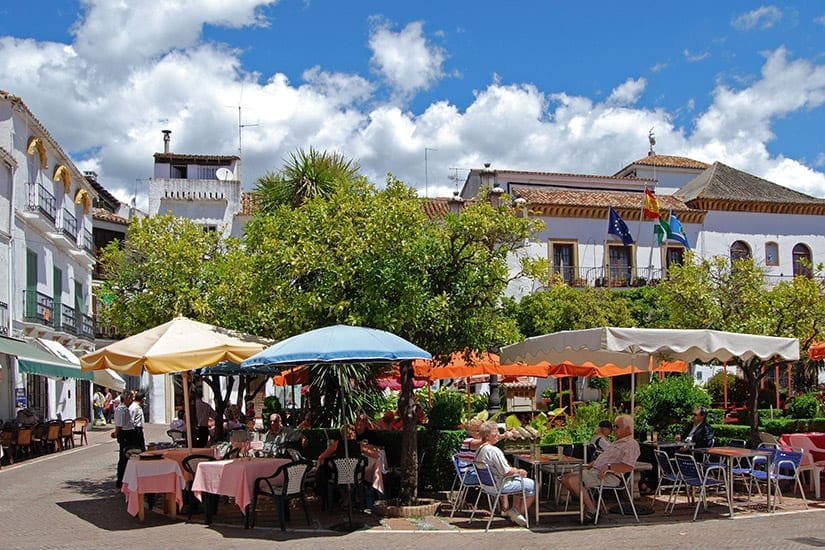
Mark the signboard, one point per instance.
(20, 398)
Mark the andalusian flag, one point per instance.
(662, 231)
(651, 207)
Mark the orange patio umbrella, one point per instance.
(816, 351)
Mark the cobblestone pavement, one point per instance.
(68, 500)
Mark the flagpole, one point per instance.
(604, 247)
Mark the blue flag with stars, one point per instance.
(616, 226)
(677, 231)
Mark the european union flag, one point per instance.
(616, 226)
(677, 232)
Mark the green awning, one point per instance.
(36, 361)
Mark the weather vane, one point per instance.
(651, 137)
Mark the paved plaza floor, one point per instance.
(68, 500)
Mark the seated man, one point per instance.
(698, 432)
(617, 459)
(495, 460)
(279, 437)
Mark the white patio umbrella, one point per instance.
(636, 346)
(180, 345)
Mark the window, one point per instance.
(739, 250)
(178, 171)
(801, 261)
(771, 253)
(620, 265)
(564, 261)
(209, 228)
(674, 255)
(37, 395)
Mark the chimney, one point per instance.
(166, 140)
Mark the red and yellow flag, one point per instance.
(651, 208)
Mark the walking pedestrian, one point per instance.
(136, 412)
(124, 433)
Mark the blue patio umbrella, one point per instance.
(338, 345)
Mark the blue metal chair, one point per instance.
(692, 476)
(784, 467)
(467, 479)
(668, 479)
(494, 490)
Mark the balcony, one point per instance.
(39, 308)
(609, 276)
(40, 207)
(4, 319)
(87, 327)
(65, 234)
(84, 252)
(68, 320)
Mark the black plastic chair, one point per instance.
(291, 485)
(190, 465)
(178, 437)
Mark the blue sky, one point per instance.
(552, 86)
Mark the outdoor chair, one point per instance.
(293, 478)
(668, 479)
(809, 463)
(80, 425)
(38, 437)
(693, 477)
(466, 478)
(494, 490)
(51, 441)
(178, 437)
(784, 467)
(190, 465)
(66, 435)
(624, 486)
(24, 441)
(7, 445)
(348, 472)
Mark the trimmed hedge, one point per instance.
(716, 416)
(725, 432)
(794, 425)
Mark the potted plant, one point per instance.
(549, 396)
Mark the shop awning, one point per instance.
(36, 361)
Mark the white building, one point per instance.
(202, 188)
(46, 282)
(724, 212)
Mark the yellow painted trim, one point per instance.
(82, 196)
(36, 144)
(61, 173)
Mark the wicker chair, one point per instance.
(80, 425)
(67, 435)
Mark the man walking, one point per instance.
(124, 433)
(136, 412)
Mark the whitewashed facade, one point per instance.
(47, 250)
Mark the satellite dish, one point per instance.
(223, 174)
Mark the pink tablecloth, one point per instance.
(234, 478)
(151, 476)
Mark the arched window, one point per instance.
(802, 260)
(739, 250)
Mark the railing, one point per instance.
(68, 321)
(4, 318)
(87, 327)
(68, 224)
(39, 308)
(86, 242)
(608, 276)
(40, 200)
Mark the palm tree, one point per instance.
(305, 175)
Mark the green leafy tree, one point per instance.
(363, 256)
(715, 294)
(737, 388)
(668, 401)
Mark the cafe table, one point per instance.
(556, 464)
(733, 454)
(233, 478)
(152, 476)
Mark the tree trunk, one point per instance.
(409, 440)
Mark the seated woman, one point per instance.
(306, 423)
(179, 423)
(335, 450)
(232, 415)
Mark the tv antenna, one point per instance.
(241, 126)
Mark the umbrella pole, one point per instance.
(725, 385)
(776, 385)
(185, 379)
(633, 386)
(610, 389)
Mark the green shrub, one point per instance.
(668, 401)
(725, 432)
(785, 425)
(770, 414)
(716, 416)
(435, 454)
(737, 388)
(587, 418)
(803, 406)
(447, 409)
(271, 405)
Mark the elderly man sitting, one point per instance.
(495, 460)
(279, 437)
(616, 460)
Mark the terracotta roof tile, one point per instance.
(670, 161)
(573, 197)
(104, 215)
(721, 182)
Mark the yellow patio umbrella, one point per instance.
(180, 345)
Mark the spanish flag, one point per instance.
(651, 208)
